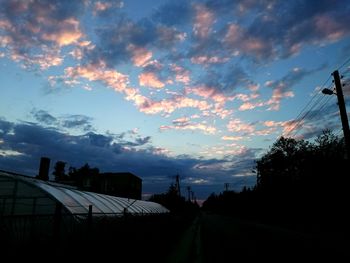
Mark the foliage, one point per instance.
(174, 202)
(77, 175)
(59, 171)
(294, 164)
(298, 183)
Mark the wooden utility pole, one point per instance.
(342, 110)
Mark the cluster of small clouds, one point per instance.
(35, 33)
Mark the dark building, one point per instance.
(44, 169)
(118, 184)
(90, 179)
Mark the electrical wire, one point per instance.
(299, 121)
(316, 112)
(302, 115)
(300, 118)
(346, 62)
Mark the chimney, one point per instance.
(44, 168)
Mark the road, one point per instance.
(215, 238)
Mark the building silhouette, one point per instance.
(125, 185)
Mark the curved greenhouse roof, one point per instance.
(22, 195)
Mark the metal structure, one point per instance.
(22, 195)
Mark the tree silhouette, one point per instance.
(298, 182)
(59, 171)
(78, 175)
(174, 202)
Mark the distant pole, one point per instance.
(189, 193)
(178, 185)
(226, 186)
(342, 110)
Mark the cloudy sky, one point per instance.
(157, 88)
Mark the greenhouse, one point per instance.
(33, 209)
(22, 195)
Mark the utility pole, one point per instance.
(178, 185)
(342, 110)
(226, 186)
(189, 193)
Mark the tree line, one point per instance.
(297, 181)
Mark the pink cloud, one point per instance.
(204, 19)
(170, 105)
(161, 151)
(250, 105)
(49, 58)
(233, 34)
(232, 149)
(205, 60)
(209, 92)
(286, 125)
(67, 32)
(218, 97)
(5, 25)
(169, 35)
(101, 6)
(186, 125)
(239, 41)
(181, 121)
(140, 56)
(265, 132)
(181, 74)
(77, 53)
(271, 123)
(275, 101)
(220, 111)
(253, 87)
(237, 125)
(232, 138)
(329, 27)
(150, 79)
(98, 72)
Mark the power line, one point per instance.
(316, 112)
(299, 121)
(347, 61)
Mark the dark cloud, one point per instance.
(238, 7)
(267, 30)
(5, 126)
(175, 13)
(43, 117)
(77, 122)
(22, 145)
(144, 140)
(225, 81)
(99, 140)
(286, 26)
(115, 42)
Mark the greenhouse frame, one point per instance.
(33, 209)
(22, 195)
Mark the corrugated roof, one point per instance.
(78, 202)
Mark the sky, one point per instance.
(201, 89)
